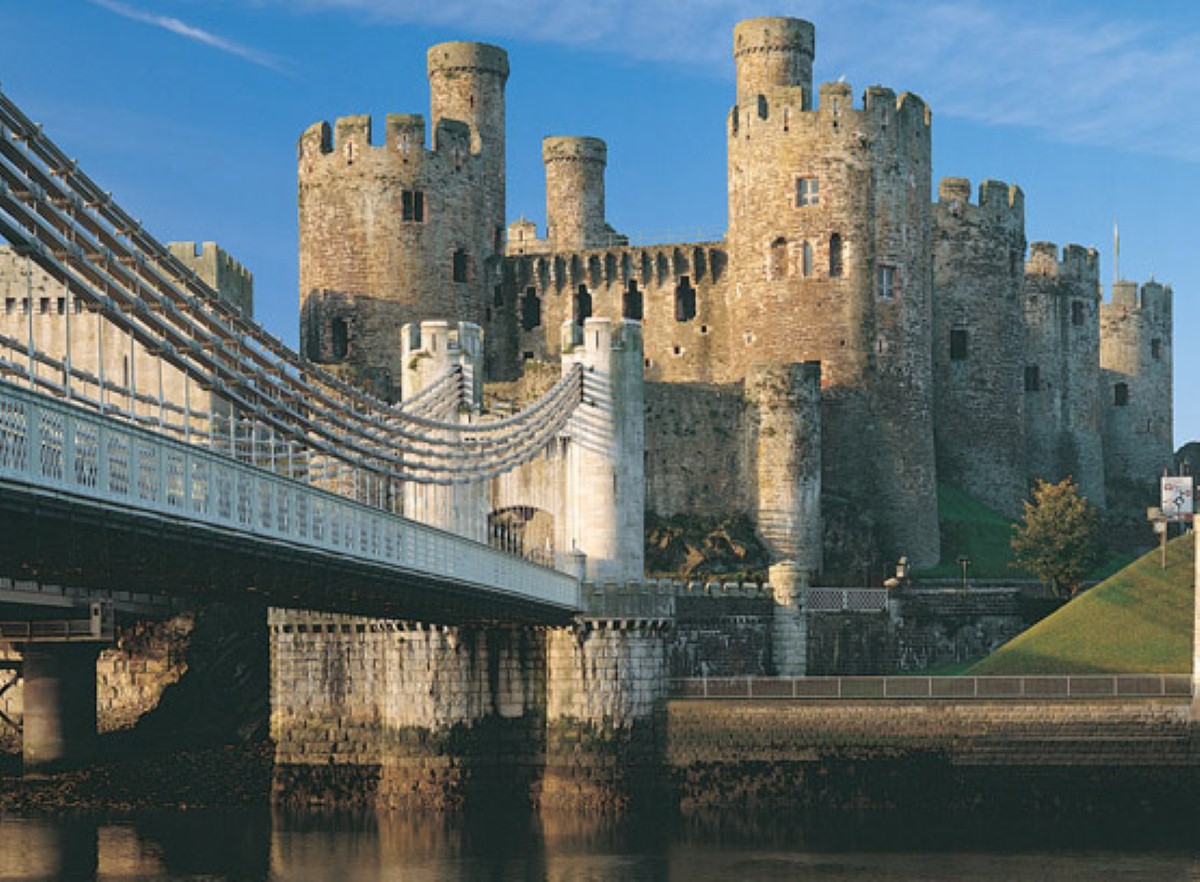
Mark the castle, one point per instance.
(941, 349)
(850, 343)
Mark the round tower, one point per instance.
(773, 52)
(830, 249)
(466, 84)
(575, 192)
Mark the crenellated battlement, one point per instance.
(1077, 262)
(1151, 297)
(350, 139)
(997, 202)
(787, 109)
(232, 280)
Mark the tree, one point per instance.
(1056, 539)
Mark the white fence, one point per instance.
(1040, 688)
(47, 445)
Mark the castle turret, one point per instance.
(1136, 362)
(575, 193)
(1060, 302)
(771, 53)
(830, 253)
(978, 345)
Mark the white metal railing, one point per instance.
(1033, 687)
(855, 600)
(50, 445)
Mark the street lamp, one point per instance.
(964, 562)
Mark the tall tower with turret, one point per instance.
(830, 252)
(1135, 376)
(401, 232)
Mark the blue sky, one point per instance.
(189, 110)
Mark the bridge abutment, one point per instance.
(606, 719)
(384, 713)
(59, 696)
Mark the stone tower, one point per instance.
(575, 192)
(978, 344)
(1135, 395)
(830, 251)
(396, 233)
(1061, 306)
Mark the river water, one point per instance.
(207, 845)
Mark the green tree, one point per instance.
(1056, 539)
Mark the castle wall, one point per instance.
(679, 292)
(1061, 308)
(978, 344)
(1136, 353)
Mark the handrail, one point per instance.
(54, 446)
(1039, 687)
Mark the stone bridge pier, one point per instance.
(387, 714)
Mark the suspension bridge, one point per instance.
(157, 446)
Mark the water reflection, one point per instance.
(256, 845)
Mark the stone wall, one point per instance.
(391, 714)
(606, 732)
(725, 635)
(929, 758)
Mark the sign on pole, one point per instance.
(1178, 499)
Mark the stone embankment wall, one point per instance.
(786, 754)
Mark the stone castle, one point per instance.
(939, 347)
(847, 345)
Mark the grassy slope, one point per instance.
(1137, 621)
(968, 527)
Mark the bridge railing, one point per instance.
(51, 446)
(1043, 687)
(854, 600)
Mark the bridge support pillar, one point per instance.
(389, 714)
(59, 698)
(606, 715)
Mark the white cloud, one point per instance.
(1073, 72)
(183, 29)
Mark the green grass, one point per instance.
(970, 528)
(1137, 621)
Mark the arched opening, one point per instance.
(339, 338)
(582, 307)
(835, 256)
(531, 309)
(524, 531)
(631, 305)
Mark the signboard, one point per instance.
(1177, 499)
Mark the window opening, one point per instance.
(412, 206)
(1121, 394)
(631, 307)
(461, 265)
(339, 338)
(807, 192)
(582, 307)
(835, 256)
(1077, 312)
(885, 283)
(958, 344)
(1032, 378)
(531, 309)
(806, 259)
(1156, 349)
(685, 300)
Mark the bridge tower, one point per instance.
(605, 472)
(430, 350)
